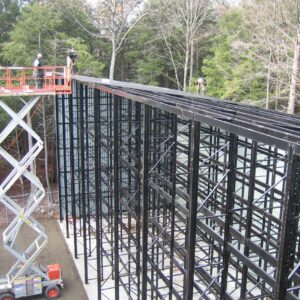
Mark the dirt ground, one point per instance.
(55, 252)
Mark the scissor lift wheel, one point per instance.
(52, 292)
(7, 296)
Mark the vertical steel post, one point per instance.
(87, 166)
(65, 165)
(249, 215)
(103, 131)
(228, 209)
(97, 186)
(110, 112)
(192, 210)
(82, 166)
(189, 167)
(116, 108)
(173, 195)
(72, 175)
(58, 137)
(288, 236)
(138, 120)
(145, 199)
(154, 209)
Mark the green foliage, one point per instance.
(149, 70)
(224, 54)
(9, 12)
(14, 105)
(231, 71)
(42, 28)
(85, 62)
(144, 61)
(217, 69)
(34, 32)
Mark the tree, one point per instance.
(294, 75)
(258, 58)
(144, 55)
(41, 28)
(231, 72)
(111, 20)
(180, 23)
(34, 32)
(9, 12)
(275, 33)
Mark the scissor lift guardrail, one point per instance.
(48, 80)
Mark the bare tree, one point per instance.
(294, 76)
(112, 20)
(274, 26)
(192, 14)
(180, 23)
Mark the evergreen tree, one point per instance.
(144, 60)
(231, 71)
(9, 12)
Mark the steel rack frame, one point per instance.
(171, 195)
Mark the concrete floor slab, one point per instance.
(55, 252)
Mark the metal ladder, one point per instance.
(25, 257)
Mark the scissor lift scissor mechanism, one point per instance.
(17, 82)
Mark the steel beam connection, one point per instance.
(171, 196)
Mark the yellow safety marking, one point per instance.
(21, 217)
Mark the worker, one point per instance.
(39, 72)
(71, 59)
(70, 63)
(73, 55)
(201, 84)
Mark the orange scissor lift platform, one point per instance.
(22, 81)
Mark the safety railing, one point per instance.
(35, 81)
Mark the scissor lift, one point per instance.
(27, 278)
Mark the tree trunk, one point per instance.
(295, 69)
(172, 60)
(113, 60)
(197, 58)
(268, 82)
(46, 151)
(277, 93)
(191, 64)
(122, 64)
(185, 69)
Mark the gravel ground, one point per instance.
(55, 252)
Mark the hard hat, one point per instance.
(39, 55)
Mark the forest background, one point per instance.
(248, 50)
